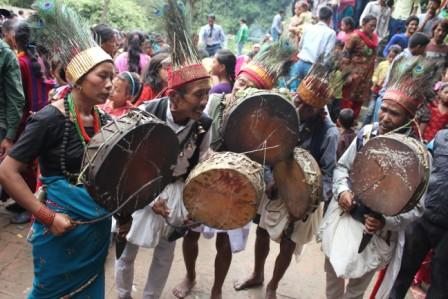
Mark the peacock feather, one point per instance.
(274, 57)
(60, 29)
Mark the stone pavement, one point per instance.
(304, 279)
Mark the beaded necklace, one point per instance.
(79, 125)
(72, 177)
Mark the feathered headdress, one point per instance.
(63, 31)
(269, 64)
(410, 82)
(186, 64)
(318, 87)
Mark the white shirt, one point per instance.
(317, 39)
(382, 14)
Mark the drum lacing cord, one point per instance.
(119, 207)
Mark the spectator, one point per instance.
(211, 36)
(382, 12)
(277, 26)
(347, 28)
(302, 17)
(341, 10)
(437, 48)
(438, 119)
(224, 69)
(242, 37)
(317, 40)
(403, 9)
(345, 122)
(9, 32)
(12, 98)
(126, 87)
(134, 60)
(155, 79)
(359, 8)
(430, 18)
(107, 38)
(402, 39)
(361, 50)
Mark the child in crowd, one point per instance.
(345, 124)
(126, 86)
(347, 28)
(438, 119)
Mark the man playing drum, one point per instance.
(319, 136)
(339, 231)
(257, 74)
(188, 87)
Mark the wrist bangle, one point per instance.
(45, 215)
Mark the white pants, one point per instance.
(335, 288)
(158, 272)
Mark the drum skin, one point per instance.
(299, 183)
(224, 191)
(390, 173)
(126, 155)
(261, 119)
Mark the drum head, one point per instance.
(386, 174)
(209, 199)
(262, 119)
(127, 165)
(299, 183)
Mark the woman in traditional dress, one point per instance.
(361, 50)
(68, 259)
(134, 60)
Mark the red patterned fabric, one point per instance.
(437, 122)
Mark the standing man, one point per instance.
(382, 13)
(182, 110)
(429, 19)
(319, 136)
(12, 98)
(317, 40)
(341, 230)
(211, 36)
(241, 37)
(403, 9)
(277, 26)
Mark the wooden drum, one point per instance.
(390, 173)
(299, 183)
(261, 119)
(122, 160)
(224, 191)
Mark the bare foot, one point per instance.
(251, 282)
(271, 294)
(184, 288)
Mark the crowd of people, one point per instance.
(50, 109)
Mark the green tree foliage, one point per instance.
(123, 14)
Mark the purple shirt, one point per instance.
(220, 88)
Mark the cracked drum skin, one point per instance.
(125, 156)
(224, 191)
(261, 119)
(390, 173)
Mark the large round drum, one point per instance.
(261, 119)
(390, 173)
(224, 191)
(132, 156)
(299, 183)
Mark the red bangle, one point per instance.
(45, 215)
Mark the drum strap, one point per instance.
(365, 134)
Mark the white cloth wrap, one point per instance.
(147, 227)
(237, 237)
(274, 218)
(341, 236)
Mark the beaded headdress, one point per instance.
(269, 64)
(61, 30)
(318, 87)
(186, 64)
(410, 82)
